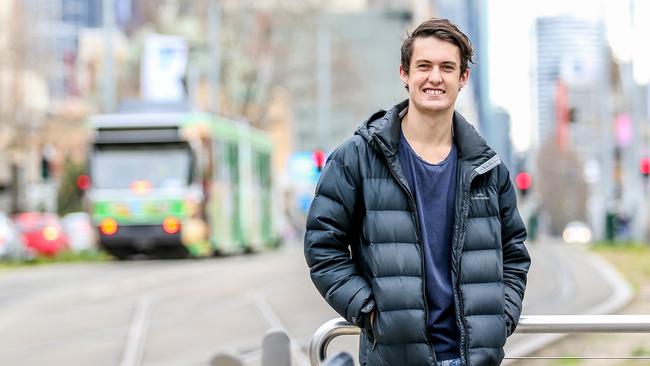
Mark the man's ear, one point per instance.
(403, 75)
(464, 78)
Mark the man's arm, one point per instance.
(516, 260)
(329, 228)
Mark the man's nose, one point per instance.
(435, 76)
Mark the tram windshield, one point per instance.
(159, 165)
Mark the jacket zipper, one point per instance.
(416, 220)
(459, 236)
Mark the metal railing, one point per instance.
(325, 334)
(530, 324)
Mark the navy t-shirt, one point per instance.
(434, 189)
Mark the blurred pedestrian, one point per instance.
(414, 234)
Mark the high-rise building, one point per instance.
(362, 74)
(499, 138)
(53, 34)
(573, 105)
(574, 52)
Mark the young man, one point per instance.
(414, 233)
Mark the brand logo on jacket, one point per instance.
(480, 196)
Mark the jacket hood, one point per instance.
(382, 131)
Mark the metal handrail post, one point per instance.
(324, 335)
(527, 324)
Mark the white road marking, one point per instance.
(134, 349)
(565, 277)
(274, 321)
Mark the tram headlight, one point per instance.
(108, 226)
(171, 225)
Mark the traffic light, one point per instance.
(83, 182)
(644, 166)
(319, 159)
(523, 181)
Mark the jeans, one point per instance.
(452, 362)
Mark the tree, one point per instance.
(70, 194)
(561, 185)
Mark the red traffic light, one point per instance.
(523, 181)
(644, 166)
(83, 182)
(319, 159)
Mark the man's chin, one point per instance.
(431, 106)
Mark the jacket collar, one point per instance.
(382, 131)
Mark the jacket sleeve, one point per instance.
(516, 260)
(329, 234)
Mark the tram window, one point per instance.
(217, 160)
(233, 161)
(263, 161)
(222, 161)
(158, 165)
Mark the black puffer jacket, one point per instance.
(363, 249)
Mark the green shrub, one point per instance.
(70, 196)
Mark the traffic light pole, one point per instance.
(324, 82)
(632, 179)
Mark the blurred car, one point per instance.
(43, 232)
(79, 230)
(577, 232)
(12, 243)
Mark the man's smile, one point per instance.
(430, 91)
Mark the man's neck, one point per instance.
(429, 135)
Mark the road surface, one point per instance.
(168, 313)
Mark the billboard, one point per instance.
(163, 67)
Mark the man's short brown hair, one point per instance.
(444, 30)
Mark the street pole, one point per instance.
(108, 85)
(214, 72)
(645, 150)
(632, 163)
(324, 64)
(604, 198)
(18, 148)
(632, 181)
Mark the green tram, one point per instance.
(179, 184)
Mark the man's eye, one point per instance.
(423, 67)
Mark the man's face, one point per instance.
(434, 78)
